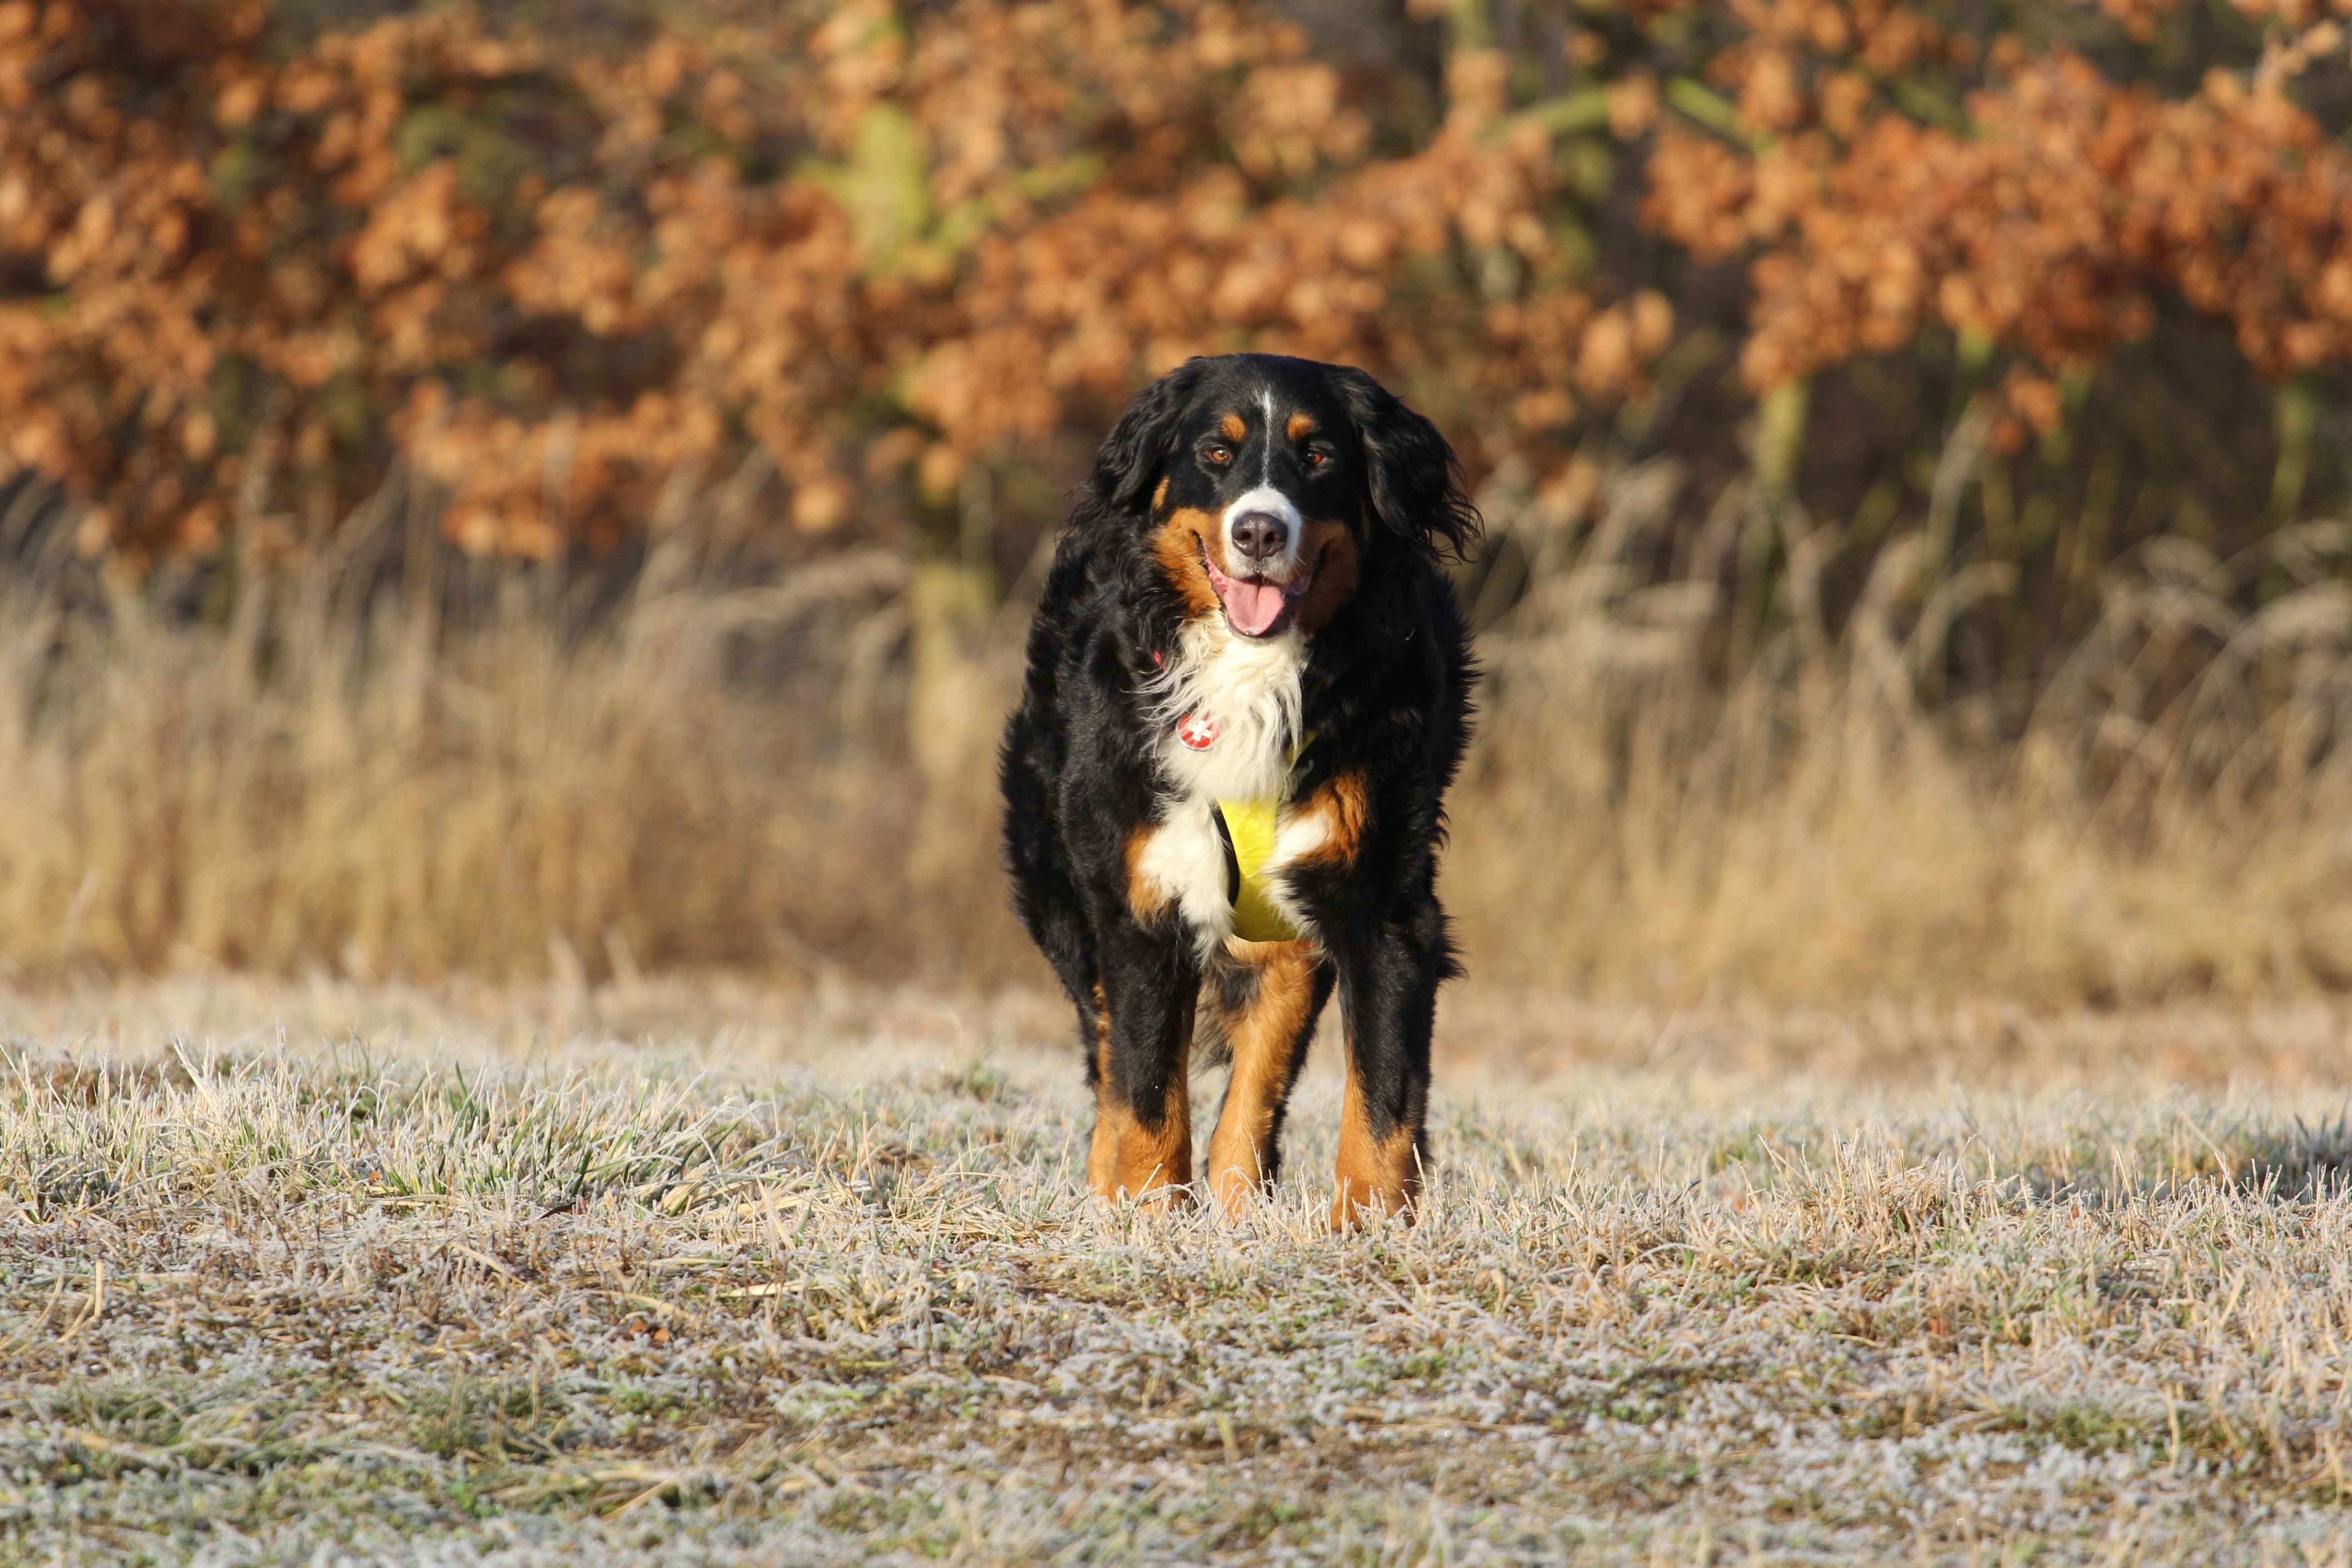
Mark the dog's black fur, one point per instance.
(1385, 690)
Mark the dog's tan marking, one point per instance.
(1378, 1176)
(1176, 550)
(1233, 428)
(1102, 1147)
(1301, 425)
(1339, 809)
(1146, 1160)
(1330, 545)
(1266, 1040)
(1134, 1156)
(1160, 496)
(1146, 895)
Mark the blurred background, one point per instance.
(558, 488)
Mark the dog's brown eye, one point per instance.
(1317, 459)
(1220, 455)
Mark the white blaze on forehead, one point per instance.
(1265, 459)
(1266, 498)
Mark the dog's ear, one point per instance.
(1416, 483)
(1139, 446)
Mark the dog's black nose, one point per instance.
(1260, 534)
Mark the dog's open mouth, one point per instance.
(1255, 606)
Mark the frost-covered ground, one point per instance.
(700, 1274)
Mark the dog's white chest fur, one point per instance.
(1247, 692)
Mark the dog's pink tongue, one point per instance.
(1253, 608)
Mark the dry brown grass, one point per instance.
(449, 767)
(2162, 815)
(394, 762)
(716, 1275)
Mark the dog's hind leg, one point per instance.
(1267, 997)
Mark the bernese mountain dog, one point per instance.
(1248, 688)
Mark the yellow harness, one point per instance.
(1249, 828)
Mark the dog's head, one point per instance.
(1265, 488)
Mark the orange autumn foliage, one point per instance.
(247, 272)
(2050, 215)
(241, 274)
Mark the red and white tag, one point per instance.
(1196, 731)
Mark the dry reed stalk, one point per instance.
(417, 779)
(2162, 817)
(1681, 781)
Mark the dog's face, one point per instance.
(1261, 512)
(1264, 484)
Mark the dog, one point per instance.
(1248, 689)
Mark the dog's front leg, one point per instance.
(1388, 977)
(1266, 1026)
(1389, 947)
(1141, 1063)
